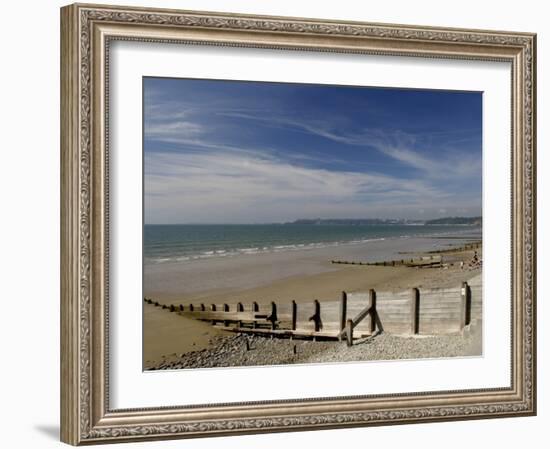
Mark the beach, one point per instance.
(210, 277)
(302, 275)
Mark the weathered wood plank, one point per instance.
(281, 332)
(421, 310)
(343, 311)
(349, 332)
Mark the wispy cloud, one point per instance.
(229, 156)
(179, 131)
(395, 144)
(241, 187)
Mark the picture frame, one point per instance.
(87, 32)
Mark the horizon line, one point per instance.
(322, 219)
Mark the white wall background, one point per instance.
(29, 223)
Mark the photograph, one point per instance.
(293, 223)
(288, 220)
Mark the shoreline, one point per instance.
(171, 339)
(469, 233)
(204, 277)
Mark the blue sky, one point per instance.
(251, 152)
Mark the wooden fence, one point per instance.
(354, 315)
(431, 261)
(420, 262)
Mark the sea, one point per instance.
(184, 243)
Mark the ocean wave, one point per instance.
(248, 250)
(277, 248)
(231, 252)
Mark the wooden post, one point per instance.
(203, 308)
(465, 305)
(213, 309)
(463, 298)
(255, 308)
(415, 299)
(240, 308)
(226, 309)
(172, 308)
(181, 308)
(191, 308)
(273, 316)
(294, 315)
(468, 304)
(317, 315)
(372, 300)
(349, 332)
(343, 312)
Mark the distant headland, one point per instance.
(469, 221)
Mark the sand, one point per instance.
(296, 275)
(186, 281)
(167, 335)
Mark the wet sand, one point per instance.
(206, 278)
(166, 335)
(300, 276)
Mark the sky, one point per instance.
(220, 151)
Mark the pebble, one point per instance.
(231, 351)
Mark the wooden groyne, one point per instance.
(466, 247)
(355, 315)
(434, 258)
(419, 262)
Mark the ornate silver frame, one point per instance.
(86, 33)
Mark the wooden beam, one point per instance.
(358, 318)
(465, 305)
(372, 300)
(361, 315)
(316, 317)
(226, 309)
(349, 332)
(415, 302)
(343, 310)
(294, 315)
(280, 332)
(273, 316)
(240, 308)
(255, 308)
